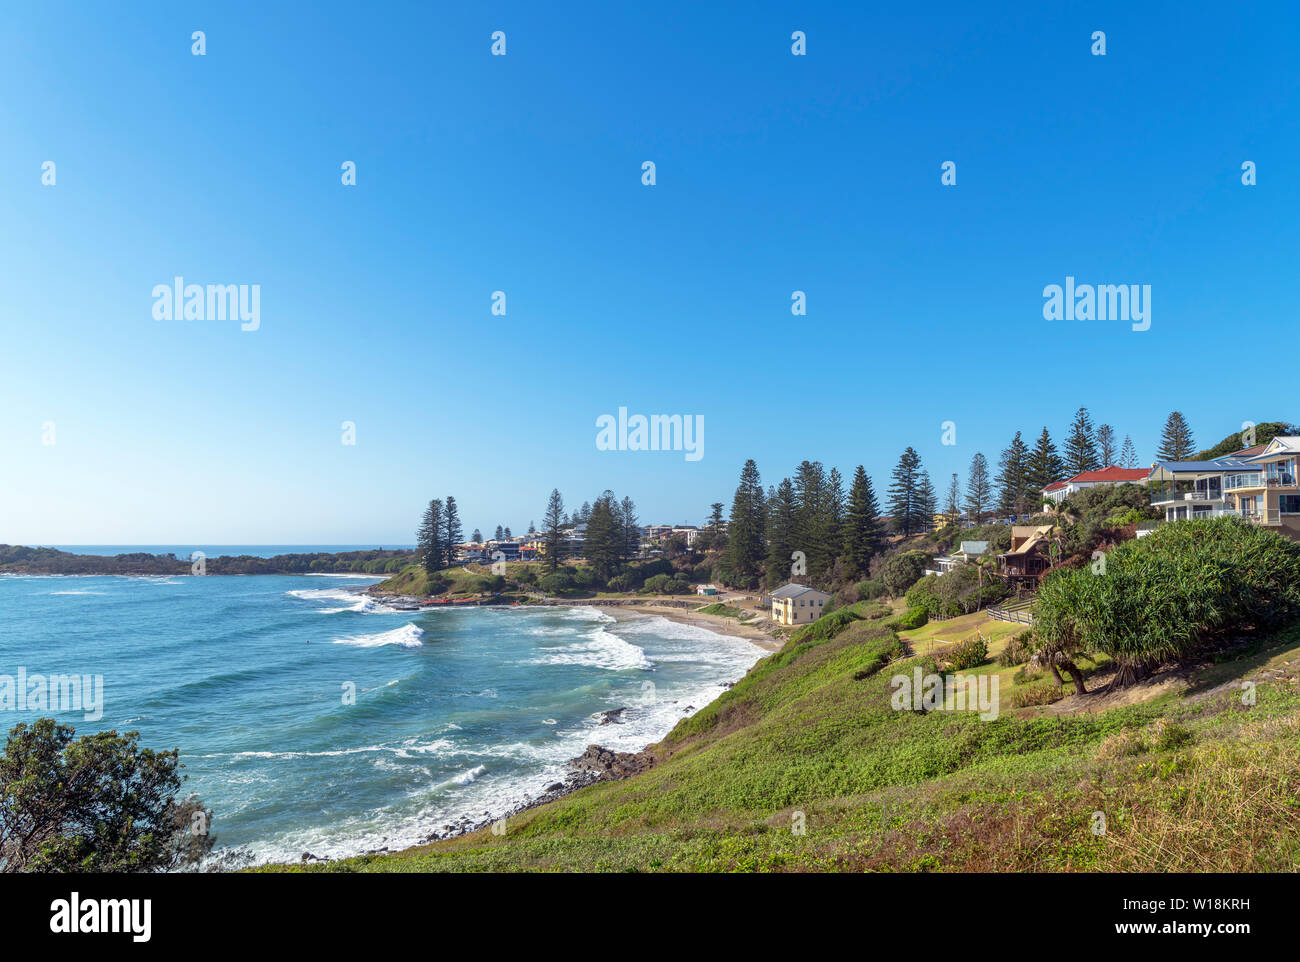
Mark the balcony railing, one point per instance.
(1266, 516)
(1169, 497)
(1281, 480)
(1235, 481)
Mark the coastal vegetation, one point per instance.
(98, 803)
(1186, 589)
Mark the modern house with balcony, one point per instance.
(1197, 489)
(1270, 495)
(1259, 487)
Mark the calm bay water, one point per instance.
(457, 713)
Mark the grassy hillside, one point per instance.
(414, 580)
(1190, 779)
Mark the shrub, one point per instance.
(925, 594)
(968, 654)
(1035, 695)
(871, 589)
(659, 566)
(1026, 674)
(827, 626)
(915, 618)
(1121, 745)
(556, 582)
(627, 581)
(901, 571)
(1168, 735)
(1018, 650)
(666, 585)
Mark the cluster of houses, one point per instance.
(1258, 483)
(572, 544)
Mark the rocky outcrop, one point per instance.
(611, 765)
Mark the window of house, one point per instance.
(1289, 503)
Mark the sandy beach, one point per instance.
(716, 623)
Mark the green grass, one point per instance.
(413, 580)
(718, 608)
(809, 735)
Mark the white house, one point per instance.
(1058, 491)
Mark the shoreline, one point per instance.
(718, 624)
(596, 763)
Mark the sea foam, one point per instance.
(407, 636)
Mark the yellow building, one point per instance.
(797, 604)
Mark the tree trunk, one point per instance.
(1076, 676)
(1056, 675)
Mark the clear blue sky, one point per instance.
(523, 174)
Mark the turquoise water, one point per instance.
(457, 712)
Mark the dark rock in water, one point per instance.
(613, 715)
(555, 787)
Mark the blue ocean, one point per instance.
(310, 718)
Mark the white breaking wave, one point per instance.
(407, 636)
(337, 574)
(466, 777)
(599, 649)
(360, 603)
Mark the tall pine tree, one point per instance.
(952, 501)
(605, 541)
(1128, 456)
(552, 526)
(452, 534)
(631, 529)
(1081, 445)
(1013, 478)
(428, 539)
(1106, 452)
(863, 534)
(1045, 467)
(1176, 440)
(781, 508)
(905, 506)
(979, 489)
(745, 543)
(929, 502)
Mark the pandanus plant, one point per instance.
(1165, 597)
